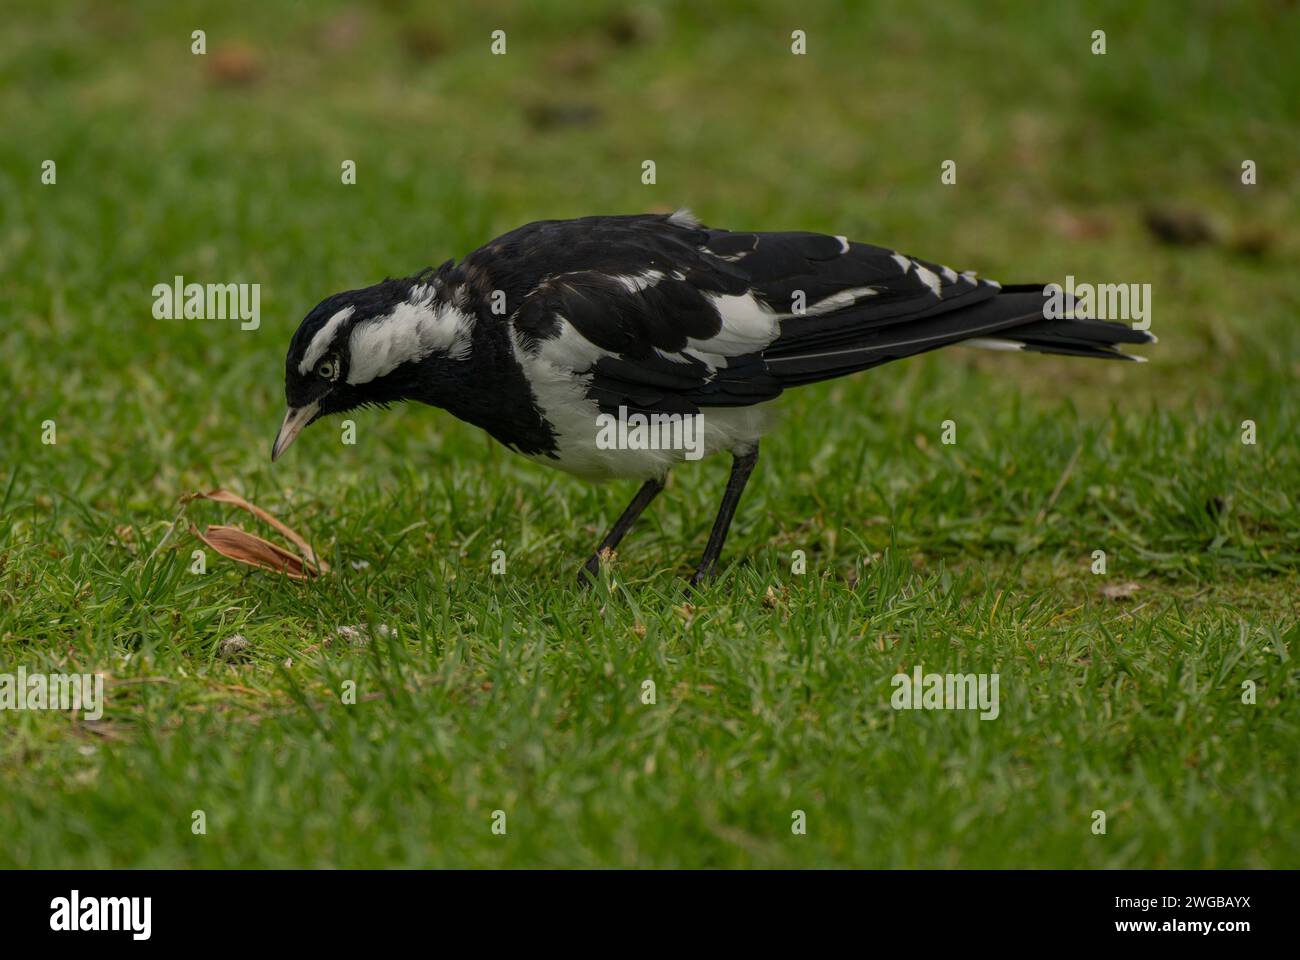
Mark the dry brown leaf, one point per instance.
(244, 547)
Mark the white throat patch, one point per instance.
(413, 330)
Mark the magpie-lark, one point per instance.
(537, 334)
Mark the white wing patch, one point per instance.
(929, 278)
(412, 331)
(935, 281)
(971, 277)
(569, 350)
(672, 357)
(636, 282)
(748, 325)
(320, 343)
(837, 301)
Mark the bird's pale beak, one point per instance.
(294, 420)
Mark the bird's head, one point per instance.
(370, 346)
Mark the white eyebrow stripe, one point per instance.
(323, 338)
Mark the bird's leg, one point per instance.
(649, 490)
(742, 465)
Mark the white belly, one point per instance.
(585, 448)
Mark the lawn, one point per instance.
(1161, 692)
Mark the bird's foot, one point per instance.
(703, 575)
(590, 571)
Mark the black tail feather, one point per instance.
(1013, 318)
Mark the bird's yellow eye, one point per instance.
(327, 369)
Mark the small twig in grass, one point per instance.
(170, 530)
(1063, 614)
(1060, 485)
(132, 681)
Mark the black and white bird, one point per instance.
(545, 333)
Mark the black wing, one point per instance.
(660, 313)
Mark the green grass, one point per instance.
(520, 693)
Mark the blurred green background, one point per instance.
(226, 168)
